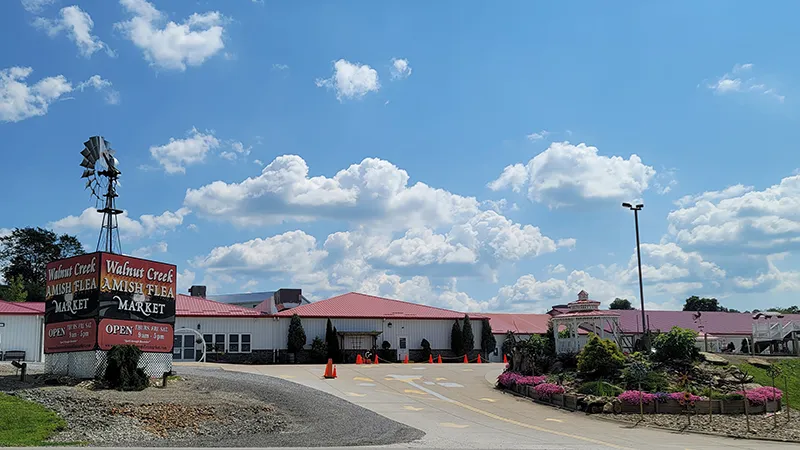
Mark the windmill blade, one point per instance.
(87, 173)
(87, 164)
(88, 155)
(88, 184)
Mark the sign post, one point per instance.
(99, 300)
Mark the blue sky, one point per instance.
(471, 157)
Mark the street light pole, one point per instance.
(645, 327)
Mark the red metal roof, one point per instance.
(24, 308)
(187, 306)
(714, 322)
(355, 305)
(518, 323)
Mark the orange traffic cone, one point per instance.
(439, 359)
(329, 370)
(359, 360)
(479, 359)
(505, 359)
(376, 359)
(334, 371)
(430, 359)
(466, 361)
(405, 360)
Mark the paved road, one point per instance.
(457, 407)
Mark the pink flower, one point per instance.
(762, 395)
(632, 397)
(548, 389)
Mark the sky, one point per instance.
(466, 155)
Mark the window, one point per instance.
(233, 343)
(245, 343)
(176, 347)
(219, 343)
(209, 338)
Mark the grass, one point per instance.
(24, 423)
(790, 368)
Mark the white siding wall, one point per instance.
(22, 333)
(258, 328)
(499, 339)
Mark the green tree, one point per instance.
(536, 355)
(488, 342)
(620, 303)
(15, 291)
(26, 252)
(426, 349)
(297, 336)
(695, 303)
(319, 350)
(332, 341)
(456, 339)
(467, 336)
(508, 343)
(677, 347)
(600, 358)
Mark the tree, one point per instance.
(695, 303)
(508, 343)
(332, 341)
(600, 358)
(297, 336)
(15, 291)
(788, 310)
(488, 342)
(27, 251)
(677, 347)
(620, 303)
(456, 339)
(426, 349)
(467, 336)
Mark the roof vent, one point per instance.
(197, 291)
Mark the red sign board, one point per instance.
(149, 337)
(74, 336)
(124, 274)
(72, 276)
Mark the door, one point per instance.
(402, 348)
(183, 347)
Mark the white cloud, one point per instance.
(531, 295)
(77, 24)
(734, 82)
(567, 174)
(372, 191)
(179, 153)
(280, 67)
(258, 162)
(185, 280)
(500, 206)
(20, 101)
(537, 136)
(144, 252)
(293, 252)
(558, 268)
(101, 85)
(351, 80)
(147, 225)
(237, 149)
(400, 68)
(740, 220)
(36, 6)
(170, 45)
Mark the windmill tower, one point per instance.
(100, 170)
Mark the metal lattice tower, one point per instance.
(103, 185)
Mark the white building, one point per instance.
(21, 331)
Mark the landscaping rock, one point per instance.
(758, 362)
(714, 359)
(608, 408)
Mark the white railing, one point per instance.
(770, 331)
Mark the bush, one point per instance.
(509, 379)
(745, 348)
(599, 388)
(600, 359)
(332, 342)
(467, 335)
(386, 345)
(508, 343)
(456, 339)
(426, 349)
(297, 336)
(676, 347)
(122, 369)
(536, 356)
(488, 342)
(548, 389)
(639, 374)
(568, 360)
(319, 350)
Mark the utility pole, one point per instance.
(645, 327)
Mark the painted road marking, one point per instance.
(285, 376)
(451, 385)
(413, 391)
(467, 370)
(515, 422)
(453, 425)
(490, 400)
(553, 420)
(362, 379)
(390, 379)
(412, 408)
(367, 384)
(353, 394)
(430, 383)
(418, 368)
(406, 377)
(441, 379)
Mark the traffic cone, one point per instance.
(430, 359)
(359, 360)
(334, 371)
(479, 359)
(405, 360)
(329, 370)
(376, 359)
(505, 359)
(466, 361)
(439, 359)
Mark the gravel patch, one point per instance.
(209, 408)
(761, 426)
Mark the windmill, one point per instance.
(101, 173)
